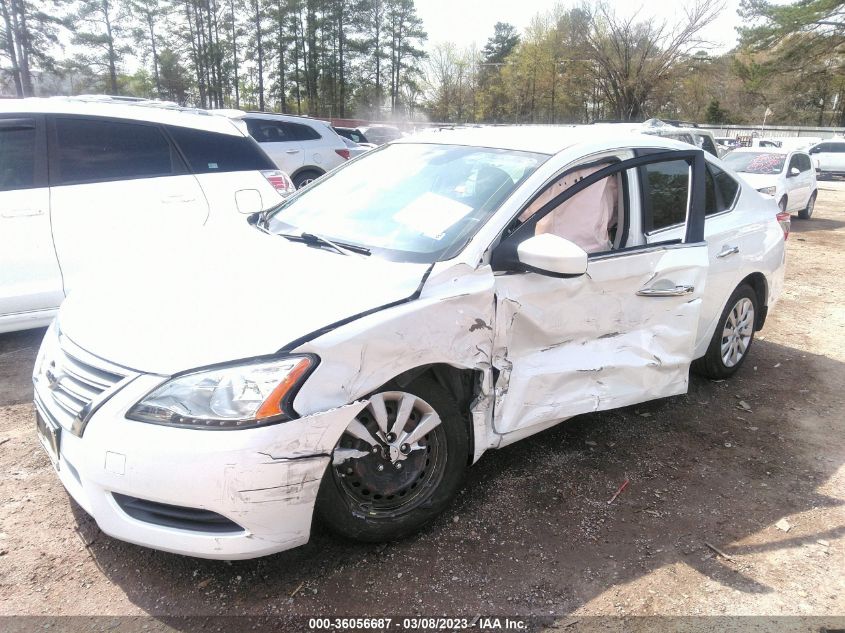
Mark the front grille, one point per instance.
(71, 383)
(166, 515)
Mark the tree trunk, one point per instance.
(281, 44)
(10, 49)
(235, 54)
(260, 46)
(151, 25)
(296, 52)
(111, 51)
(195, 52)
(341, 72)
(22, 44)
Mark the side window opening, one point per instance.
(90, 150)
(267, 131)
(299, 132)
(593, 218)
(17, 157)
(665, 194)
(720, 190)
(213, 152)
(805, 161)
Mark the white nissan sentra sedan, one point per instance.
(352, 351)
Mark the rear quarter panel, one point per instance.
(752, 226)
(220, 190)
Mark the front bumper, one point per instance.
(265, 480)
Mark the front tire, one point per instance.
(733, 337)
(364, 495)
(807, 212)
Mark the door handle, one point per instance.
(21, 213)
(677, 291)
(728, 250)
(292, 151)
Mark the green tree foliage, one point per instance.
(28, 35)
(367, 59)
(715, 113)
(795, 52)
(100, 29)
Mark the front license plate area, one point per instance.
(50, 435)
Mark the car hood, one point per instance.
(226, 297)
(758, 181)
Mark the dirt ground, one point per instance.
(532, 532)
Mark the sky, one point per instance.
(465, 22)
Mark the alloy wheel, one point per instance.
(737, 332)
(391, 455)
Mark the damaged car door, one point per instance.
(621, 328)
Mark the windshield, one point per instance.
(756, 162)
(407, 202)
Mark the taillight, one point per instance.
(344, 153)
(280, 180)
(785, 221)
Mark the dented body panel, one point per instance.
(571, 346)
(265, 480)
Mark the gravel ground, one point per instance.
(732, 463)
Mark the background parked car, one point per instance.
(354, 148)
(355, 135)
(787, 176)
(829, 157)
(305, 148)
(381, 134)
(115, 174)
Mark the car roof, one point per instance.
(543, 139)
(149, 111)
(767, 150)
(269, 116)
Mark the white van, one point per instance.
(82, 180)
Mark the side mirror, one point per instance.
(248, 201)
(794, 171)
(552, 255)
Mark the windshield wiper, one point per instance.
(312, 239)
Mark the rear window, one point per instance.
(756, 162)
(268, 131)
(90, 150)
(210, 152)
(17, 155)
(720, 190)
(707, 145)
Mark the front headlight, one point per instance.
(768, 191)
(233, 397)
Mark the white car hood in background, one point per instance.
(170, 308)
(758, 181)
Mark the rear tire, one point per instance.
(305, 178)
(807, 212)
(733, 337)
(366, 497)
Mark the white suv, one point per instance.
(829, 157)
(82, 180)
(305, 148)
